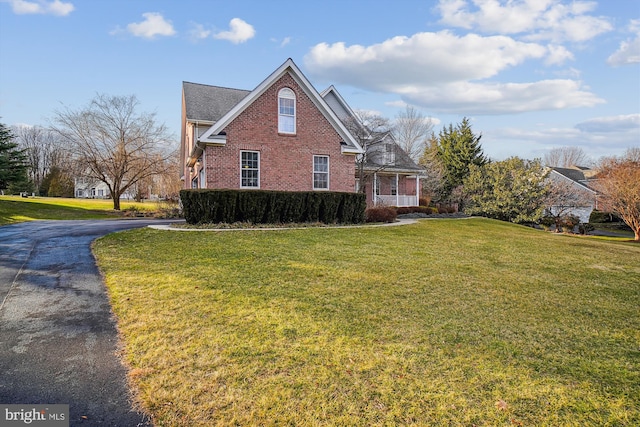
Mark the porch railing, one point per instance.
(399, 200)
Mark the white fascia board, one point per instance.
(347, 108)
(571, 181)
(288, 66)
(242, 105)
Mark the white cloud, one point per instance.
(534, 19)
(627, 53)
(444, 73)
(198, 32)
(603, 136)
(502, 98)
(557, 55)
(153, 25)
(239, 32)
(55, 7)
(622, 123)
(402, 63)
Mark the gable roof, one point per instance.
(402, 163)
(205, 103)
(213, 135)
(577, 176)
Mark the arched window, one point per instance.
(286, 111)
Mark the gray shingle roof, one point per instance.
(401, 161)
(210, 103)
(573, 174)
(577, 175)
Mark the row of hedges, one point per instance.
(271, 207)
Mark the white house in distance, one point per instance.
(91, 188)
(576, 179)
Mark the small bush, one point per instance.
(585, 228)
(443, 210)
(383, 214)
(424, 201)
(569, 222)
(403, 210)
(600, 217)
(547, 221)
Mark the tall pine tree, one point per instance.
(457, 148)
(13, 166)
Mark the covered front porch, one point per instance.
(394, 189)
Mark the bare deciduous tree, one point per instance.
(412, 131)
(562, 198)
(369, 129)
(618, 185)
(434, 170)
(114, 143)
(565, 157)
(45, 152)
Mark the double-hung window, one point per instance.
(249, 169)
(286, 111)
(320, 172)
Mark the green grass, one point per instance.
(446, 322)
(18, 209)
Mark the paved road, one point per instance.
(58, 340)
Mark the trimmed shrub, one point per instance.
(382, 214)
(271, 207)
(414, 209)
(600, 217)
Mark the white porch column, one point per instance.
(397, 192)
(375, 189)
(417, 190)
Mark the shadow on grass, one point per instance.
(17, 211)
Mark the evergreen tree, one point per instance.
(457, 149)
(13, 166)
(510, 190)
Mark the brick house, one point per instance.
(283, 135)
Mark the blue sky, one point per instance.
(531, 75)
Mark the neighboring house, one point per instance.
(91, 188)
(283, 135)
(582, 199)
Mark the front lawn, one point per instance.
(18, 209)
(445, 322)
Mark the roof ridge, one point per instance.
(216, 86)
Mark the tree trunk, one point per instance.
(636, 234)
(116, 201)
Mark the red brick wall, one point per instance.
(286, 161)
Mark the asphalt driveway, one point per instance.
(58, 338)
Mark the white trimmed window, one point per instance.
(286, 111)
(320, 172)
(249, 169)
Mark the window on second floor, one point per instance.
(286, 111)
